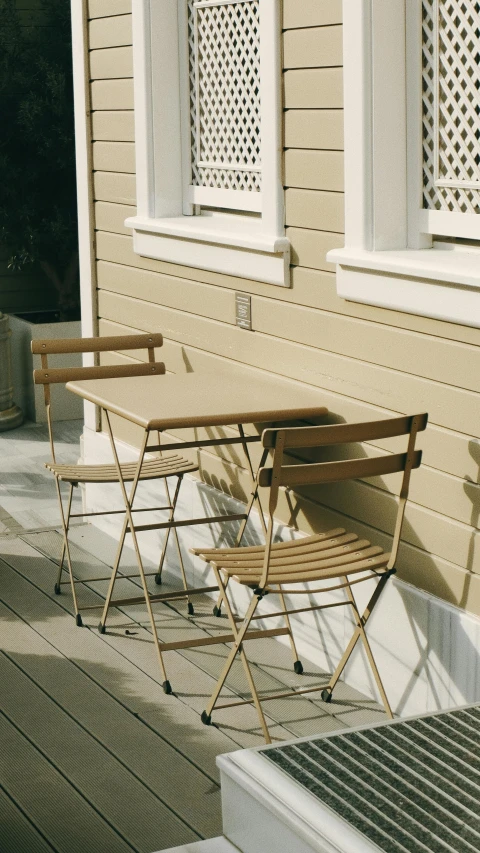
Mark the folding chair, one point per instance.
(163, 467)
(338, 556)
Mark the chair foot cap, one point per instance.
(167, 687)
(158, 580)
(298, 667)
(190, 609)
(327, 694)
(217, 611)
(78, 620)
(57, 589)
(101, 628)
(206, 718)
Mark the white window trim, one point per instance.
(241, 245)
(387, 261)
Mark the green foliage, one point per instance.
(38, 219)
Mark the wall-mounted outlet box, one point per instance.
(243, 310)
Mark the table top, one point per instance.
(201, 399)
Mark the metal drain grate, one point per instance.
(412, 785)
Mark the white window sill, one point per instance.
(230, 244)
(443, 283)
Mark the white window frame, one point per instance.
(387, 260)
(240, 244)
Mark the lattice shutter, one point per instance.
(451, 105)
(224, 103)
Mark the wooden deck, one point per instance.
(94, 755)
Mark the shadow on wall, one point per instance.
(472, 490)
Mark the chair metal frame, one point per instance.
(333, 556)
(161, 468)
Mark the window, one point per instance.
(207, 82)
(450, 118)
(412, 157)
(223, 120)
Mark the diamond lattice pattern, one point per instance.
(224, 69)
(451, 105)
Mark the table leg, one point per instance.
(121, 541)
(173, 506)
(254, 498)
(129, 520)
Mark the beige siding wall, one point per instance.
(368, 362)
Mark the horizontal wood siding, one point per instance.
(367, 362)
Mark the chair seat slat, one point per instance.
(313, 565)
(291, 558)
(277, 546)
(364, 565)
(151, 470)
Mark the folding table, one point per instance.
(161, 403)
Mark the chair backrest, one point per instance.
(327, 472)
(47, 376)
(281, 440)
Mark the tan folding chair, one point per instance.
(163, 467)
(338, 556)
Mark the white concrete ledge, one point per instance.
(211, 845)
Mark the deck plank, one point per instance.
(102, 780)
(49, 799)
(16, 831)
(181, 789)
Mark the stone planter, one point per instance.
(25, 329)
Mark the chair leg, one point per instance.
(255, 697)
(297, 664)
(121, 541)
(116, 563)
(368, 650)
(360, 632)
(57, 588)
(237, 648)
(158, 576)
(217, 610)
(78, 618)
(254, 498)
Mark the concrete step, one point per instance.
(266, 811)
